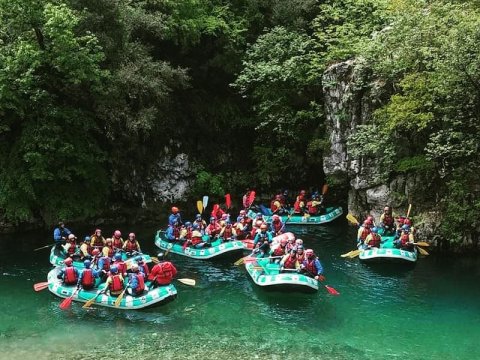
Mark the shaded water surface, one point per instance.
(429, 311)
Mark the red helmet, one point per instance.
(370, 217)
(303, 192)
(131, 235)
(407, 221)
(95, 252)
(98, 230)
(68, 261)
(401, 220)
(278, 197)
(174, 209)
(275, 217)
(367, 222)
(117, 233)
(309, 252)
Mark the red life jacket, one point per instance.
(131, 246)
(146, 270)
(165, 273)
(311, 209)
(87, 277)
(273, 207)
(116, 284)
(364, 233)
(189, 234)
(97, 241)
(176, 232)
(196, 240)
(310, 266)
(70, 276)
(375, 240)
(296, 206)
(122, 268)
(72, 248)
(110, 251)
(141, 283)
(388, 220)
(106, 263)
(290, 262)
(277, 226)
(279, 251)
(213, 229)
(404, 239)
(117, 243)
(227, 233)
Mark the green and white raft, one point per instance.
(388, 253)
(57, 259)
(268, 276)
(154, 297)
(331, 214)
(218, 248)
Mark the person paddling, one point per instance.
(162, 273)
(87, 277)
(60, 234)
(311, 266)
(114, 282)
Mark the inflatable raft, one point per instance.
(388, 253)
(248, 243)
(268, 276)
(155, 297)
(218, 248)
(331, 214)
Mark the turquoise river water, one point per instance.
(430, 311)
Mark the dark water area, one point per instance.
(428, 311)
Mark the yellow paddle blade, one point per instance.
(409, 209)
(187, 281)
(354, 253)
(89, 303)
(239, 262)
(352, 219)
(119, 298)
(154, 259)
(422, 243)
(422, 251)
(200, 206)
(347, 254)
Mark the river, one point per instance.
(430, 311)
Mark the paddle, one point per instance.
(92, 300)
(352, 219)
(40, 286)
(251, 198)
(422, 251)
(285, 223)
(186, 281)
(200, 206)
(421, 243)
(120, 297)
(241, 261)
(65, 304)
(408, 211)
(228, 201)
(354, 253)
(205, 202)
(324, 189)
(154, 259)
(43, 247)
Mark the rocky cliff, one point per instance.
(350, 99)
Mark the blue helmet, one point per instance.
(213, 218)
(198, 216)
(195, 227)
(258, 215)
(188, 223)
(87, 238)
(138, 259)
(118, 256)
(406, 228)
(87, 263)
(374, 230)
(113, 269)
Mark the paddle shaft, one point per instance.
(44, 247)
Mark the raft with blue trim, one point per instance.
(331, 214)
(154, 297)
(268, 276)
(218, 248)
(57, 259)
(388, 253)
